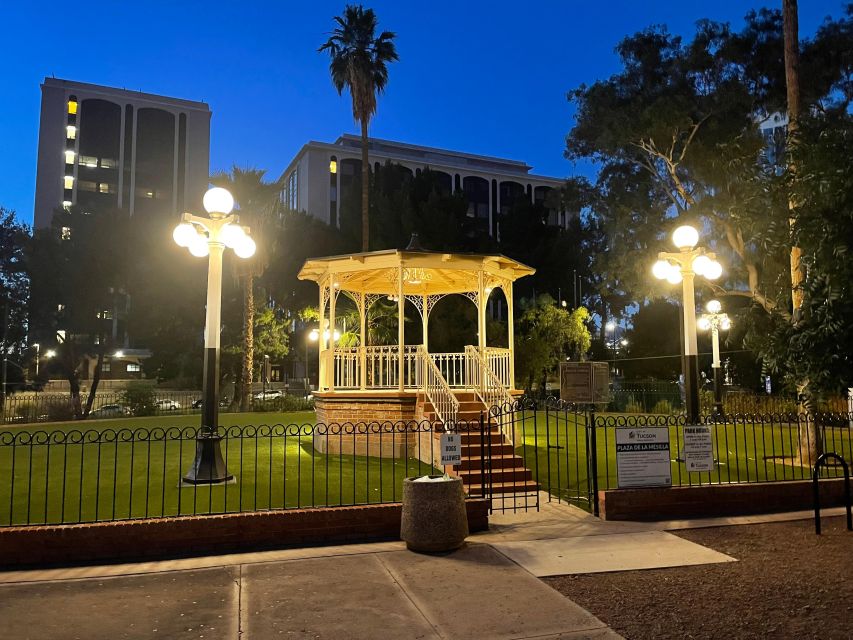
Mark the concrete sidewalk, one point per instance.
(475, 592)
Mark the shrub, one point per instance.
(286, 403)
(663, 407)
(632, 406)
(139, 398)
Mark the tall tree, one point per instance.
(792, 85)
(14, 287)
(359, 63)
(257, 204)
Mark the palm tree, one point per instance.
(359, 63)
(256, 202)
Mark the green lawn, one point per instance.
(556, 450)
(137, 477)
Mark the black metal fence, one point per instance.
(32, 407)
(100, 475)
(571, 450)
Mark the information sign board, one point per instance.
(642, 457)
(698, 449)
(451, 449)
(584, 382)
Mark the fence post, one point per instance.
(592, 453)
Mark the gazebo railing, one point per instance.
(498, 360)
(381, 364)
(436, 388)
(486, 382)
(453, 367)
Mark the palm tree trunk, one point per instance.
(365, 186)
(248, 341)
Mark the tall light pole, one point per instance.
(715, 320)
(209, 237)
(312, 337)
(683, 266)
(36, 347)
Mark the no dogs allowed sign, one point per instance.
(642, 457)
(451, 449)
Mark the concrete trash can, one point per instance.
(434, 516)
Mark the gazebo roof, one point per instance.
(424, 272)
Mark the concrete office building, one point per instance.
(107, 147)
(318, 178)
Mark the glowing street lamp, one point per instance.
(715, 320)
(209, 237)
(682, 266)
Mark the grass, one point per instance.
(137, 477)
(556, 449)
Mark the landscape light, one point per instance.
(314, 335)
(49, 353)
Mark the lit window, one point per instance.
(71, 132)
(66, 204)
(108, 163)
(333, 166)
(131, 367)
(87, 185)
(69, 182)
(105, 367)
(104, 187)
(66, 233)
(72, 107)
(60, 307)
(88, 161)
(69, 157)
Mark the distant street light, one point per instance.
(682, 266)
(50, 353)
(203, 237)
(36, 346)
(715, 320)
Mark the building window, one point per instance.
(105, 187)
(69, 156)
(108, 163)
(87, 185)
(72, 107)
(66, 204)
(68, 181)
(133, 368)
(105, 367)
(333, 165)
(89, 161)
(71, 132)
(293, 190)
(60, 307)
(66, 233)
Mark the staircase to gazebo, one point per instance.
(487, 455)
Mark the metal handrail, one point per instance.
(437, 390)
(487, 384)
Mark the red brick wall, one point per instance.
(197, 535)
(707, 501)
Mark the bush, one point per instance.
(59, 410)
(633, 406)
(663, 407)
(139, 398)
(286, 403)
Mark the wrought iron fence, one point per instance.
(571, 449)
(101, 475)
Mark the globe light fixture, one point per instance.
(715, 320)
(682, 267)
(685, 237)
(210, 236)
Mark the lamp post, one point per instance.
(715, 320)
(36, 347)
(209, 237)
(683, 266)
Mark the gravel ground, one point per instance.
(788, 583)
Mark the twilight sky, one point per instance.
(476, 76)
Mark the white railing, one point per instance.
(453, 367)
(436, 389)
(381, 364)
(498, 361)
(487, 384)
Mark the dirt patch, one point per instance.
(788, 583)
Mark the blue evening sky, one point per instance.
(476, 76)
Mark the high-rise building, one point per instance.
(107, 147)
(318, 178)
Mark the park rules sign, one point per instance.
(642, 457)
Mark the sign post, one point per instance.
(642, 457)
(698, 449)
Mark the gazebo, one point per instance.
(394, 382)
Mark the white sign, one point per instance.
(642, 457)
(451, 449)
(698, 449)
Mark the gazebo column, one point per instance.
(425, 321)
(321, 341)
(481, 313)
(331, 356)
(401, 334)
(510, 323)
(362, 306)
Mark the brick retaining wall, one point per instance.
(197, 535)
(661, 503)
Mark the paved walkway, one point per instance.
(485, 590)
